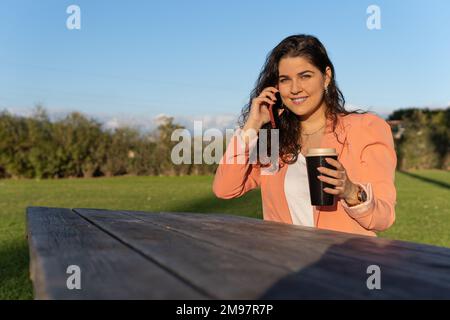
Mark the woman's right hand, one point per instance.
(259, 109)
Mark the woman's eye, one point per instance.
(306, 76)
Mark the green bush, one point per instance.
(425, 141)
(76, 146)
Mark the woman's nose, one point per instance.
(296, 87)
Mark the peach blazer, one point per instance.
(368, 156)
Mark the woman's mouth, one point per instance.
(298, 101)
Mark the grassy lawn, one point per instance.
(423, 209)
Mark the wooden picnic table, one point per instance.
(144, 255)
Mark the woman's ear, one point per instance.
(328, 76)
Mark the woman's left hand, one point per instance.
(344, 188)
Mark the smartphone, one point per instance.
(273, 112)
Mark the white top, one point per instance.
(296, 188)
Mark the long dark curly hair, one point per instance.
(312, 49)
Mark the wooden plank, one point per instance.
(110, 269)
(222, 273)
(371, 244)
(430, 251)
(340, 260)
(328, 236)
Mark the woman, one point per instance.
(313, 116)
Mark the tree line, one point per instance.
(78, 146)
(425, 141)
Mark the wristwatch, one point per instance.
(362, 196)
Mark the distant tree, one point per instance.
(425, 142)
(164, 147)
(14, 146)
(41, 155)
(78, 139)
(440, 136)
(144, 161)
(402, 114)
(121, 151)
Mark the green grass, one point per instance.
(423, 209)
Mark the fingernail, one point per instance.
(319, 168)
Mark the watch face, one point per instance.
(363, 196)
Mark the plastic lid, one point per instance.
(313, 152)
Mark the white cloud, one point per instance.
(113, 123)
(144, 123)
(160, 118)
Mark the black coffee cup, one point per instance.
(315, 158)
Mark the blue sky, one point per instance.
(192, 58)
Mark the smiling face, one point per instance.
(302, 85)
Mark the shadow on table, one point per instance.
(342, 274)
